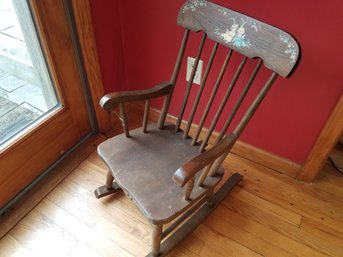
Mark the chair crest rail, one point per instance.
(246, 35)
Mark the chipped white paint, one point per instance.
(291, 49)
(192, 5)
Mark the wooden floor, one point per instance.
(267, 215)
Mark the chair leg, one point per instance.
(156, 239)
(210, 198)
(110, 187)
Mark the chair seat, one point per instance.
(143, 166)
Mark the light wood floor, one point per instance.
(268, 214)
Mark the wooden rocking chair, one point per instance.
(168, 174)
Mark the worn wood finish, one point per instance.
(248, 36)
(188, 170)
(110, 101)
(164, 171)
(213, 94)
(123, 119)
(156, 239)
(201, 89)
(223, 103)
(253, 107)
(250, 152)
(146, 115)
(199, 217)
(132, 172)
(104, 190)
(190, 83)
(239, 102)
(173, 78)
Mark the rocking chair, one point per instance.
(170, 175)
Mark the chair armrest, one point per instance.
(109, 101)
(188, 170)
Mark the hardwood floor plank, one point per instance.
(124, 253)
(182, 252)
(81, 249)
(268, 234)
(121, 237)
(286, 187)
(42, 236)
(247, 239)
(47, 184)
(286, 192)
(278, 211)
(332, 245)
(193, 243)
(329, 180)
(10, 247)
(74, 200)
(216, 244)
(90, 210)
(308, 223)
(81, 231)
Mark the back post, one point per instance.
(173, 79)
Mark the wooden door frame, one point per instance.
(84, 26)
(324, 145)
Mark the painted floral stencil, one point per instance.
(291, 47)
(193, 5)
(236, 34)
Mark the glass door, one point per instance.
(42, 105)
(27, 94)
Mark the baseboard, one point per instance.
(247, 151)
(267, 159)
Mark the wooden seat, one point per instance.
(171, 171)
(134, 171)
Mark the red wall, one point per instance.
(108, 37)
(137, 42)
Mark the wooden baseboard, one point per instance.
(247, 151)
(267, 159)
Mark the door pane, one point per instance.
(26, 90)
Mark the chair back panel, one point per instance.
(248, 37)
(252, 38)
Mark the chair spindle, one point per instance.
(244, 121)
(213, 167)
(247, 116)
(123, 119)
(223, 103)
(180, 220)
(190, 83)
(213, 94)
(156, 239)
(146, 115)
(204, 175)
(173, 79)
(239, 102)
(201, 89)
(188, 189)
